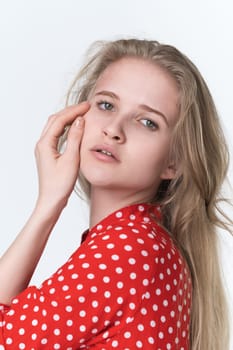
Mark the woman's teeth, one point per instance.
(105, 152)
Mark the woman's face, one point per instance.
(128, 128)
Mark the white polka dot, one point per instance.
(10, 313)
(120, 300)
(110, 245)
(151, 340)
(21, 331)
(94, 303)
(161, 335)
(115, 344)
(132, 306)
(56, 317)
(146, 219)
(141, 208)
(44, 327)
(107, 309)
(172, 313)
(128, 248)
(133, 276)
(102, 266)
(105, 335)
(115, 257)
(132, 261)
(95, 319)
(119, 214)
(170, 330)
(120, 285)
(163, 319)
(143, 311)
(118, 228)
(119, 270)
(139, 344)
(107, 294)
(145, 282)
(85, 265)
(82, 313)
(144, 253)
(146, 267)
(129, 320)
(82, 328)
(132, 291)
(22, 346)
(127, 335)
(152, 323)
(56, 331)
(81, 299)
(8, 341)
(69, 308)
(90, 276)
(34, 336)
(134, 230)
(123, 236)
(106, 279)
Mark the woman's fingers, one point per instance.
(74, 140)
(57, 123)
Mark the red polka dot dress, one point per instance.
(126, 287)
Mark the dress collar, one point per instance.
(141, 212)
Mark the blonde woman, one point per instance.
(144, 141)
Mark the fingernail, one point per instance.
(79, 122)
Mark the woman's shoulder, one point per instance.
(135, 229)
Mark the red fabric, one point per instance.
(126, 287)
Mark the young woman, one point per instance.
(151, 159)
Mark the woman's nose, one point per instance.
(114, 131)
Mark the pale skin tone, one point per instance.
(132, 124)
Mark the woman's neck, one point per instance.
(104, 202)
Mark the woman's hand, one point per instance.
(58, 172)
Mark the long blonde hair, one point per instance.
(190, 201)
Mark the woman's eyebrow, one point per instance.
(152, 110)
(143, 106)
(108, 93)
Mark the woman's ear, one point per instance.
(169, 173)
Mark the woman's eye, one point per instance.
(105, 105)
(149, 124)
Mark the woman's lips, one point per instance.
(105, 152)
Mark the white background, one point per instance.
(42, 44)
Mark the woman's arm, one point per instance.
(57, 175)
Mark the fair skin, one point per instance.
(116, 121)
(121, 120)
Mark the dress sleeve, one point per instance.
(89, 300)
